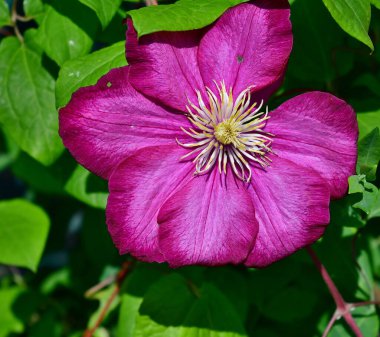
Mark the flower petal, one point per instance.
(292, 208)
(138, 188)
(210, 221)
(106, 122)
(249, 45)
(320, 131)
(164, 65)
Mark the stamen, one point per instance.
(228, 132)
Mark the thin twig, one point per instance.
(14, 21)
(151, 2)
(24, 18)
(106, 282)
(360, 304)
(119, 281)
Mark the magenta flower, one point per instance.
(199, 172)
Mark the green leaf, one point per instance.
(9, 321)
(23, 232)
(233, 285)
(27, 104)
(174, 307)
(183, 15)
(5, 18)
(369, 155)
(33, 8)
(48, 180)
(370, 202)
(60, 36)
(316, 36)
(366, 319)
(171, 312)
(353, 17)
(136, 285)
(104, 9)
(86, 70)
(17, 305)
(77, 187)
(103, 297)
(212, 315)
(349, 263)
(367, 121)
(376, 3)
(290, 304)
(12, 151)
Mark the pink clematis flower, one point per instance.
(199, 172)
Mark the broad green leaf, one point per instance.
(183, 15)
(86, 70)
(233, 285)
(212, 315)
(104, 9)
(353, 17)
(173, 312)
(369, 155)
(33, 8)
(23, 232)
(5, 18)
(127, 315)
(27, 103)
(77, 187)
(172, 308)
(367, 121)
(62, 38)
(316, 36)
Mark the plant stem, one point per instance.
(151, 2)
(341, 304)
(343, 308)
(14, 21)
(124, 271)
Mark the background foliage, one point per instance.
(53, 242)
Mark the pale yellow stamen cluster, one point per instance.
(228, 131)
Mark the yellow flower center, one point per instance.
(228, 131)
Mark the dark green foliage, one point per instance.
(54, 244)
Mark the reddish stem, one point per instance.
(343, 308)
(340, 302)
(119, 281)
